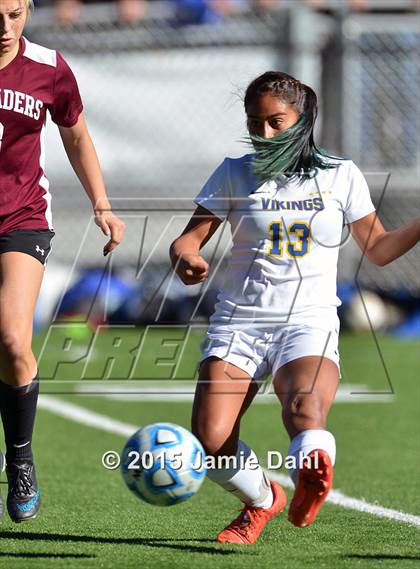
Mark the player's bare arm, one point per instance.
(380, 246)
(84, 160)
(185, 251)
(38, 82)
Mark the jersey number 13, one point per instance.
(297, 248)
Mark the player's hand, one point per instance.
(192, 269)
(112, 227)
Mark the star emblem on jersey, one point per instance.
(39, 250)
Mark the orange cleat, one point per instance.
(247, 527)
(314, 483)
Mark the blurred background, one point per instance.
(162, 83)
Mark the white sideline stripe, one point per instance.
(85, 416)
(182, 391)
(92, 419)
(337, 498)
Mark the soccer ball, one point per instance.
(163, 464)
(366, 313)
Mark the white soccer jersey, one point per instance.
(286, 238)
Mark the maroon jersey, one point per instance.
(37, 80)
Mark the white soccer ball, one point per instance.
(366, 313)
(163, 464)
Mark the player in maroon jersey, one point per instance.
(33, 81)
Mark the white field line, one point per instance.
(85, 416)
(183, 391)
(339, 499)
(104, 423)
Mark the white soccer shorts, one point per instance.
(260, 351)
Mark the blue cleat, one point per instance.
(23, 499)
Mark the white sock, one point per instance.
(307, 441)
(245, 479)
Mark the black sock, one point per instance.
(18, 408)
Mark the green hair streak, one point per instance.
(291, 153)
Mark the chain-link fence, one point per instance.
(381, 120)
(381, 86)
(164, 107)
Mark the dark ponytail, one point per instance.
(292, 152)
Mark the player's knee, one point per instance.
(212, 436)
(14, 344)
(304, 412)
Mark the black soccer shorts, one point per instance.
(34, 242)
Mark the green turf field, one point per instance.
(90, 520)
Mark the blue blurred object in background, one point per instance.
(95, 295)
(196, 12)
(410, 328)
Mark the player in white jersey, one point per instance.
(277, 310)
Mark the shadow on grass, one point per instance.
(30, 555)
(159, 542)
(382, 556)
